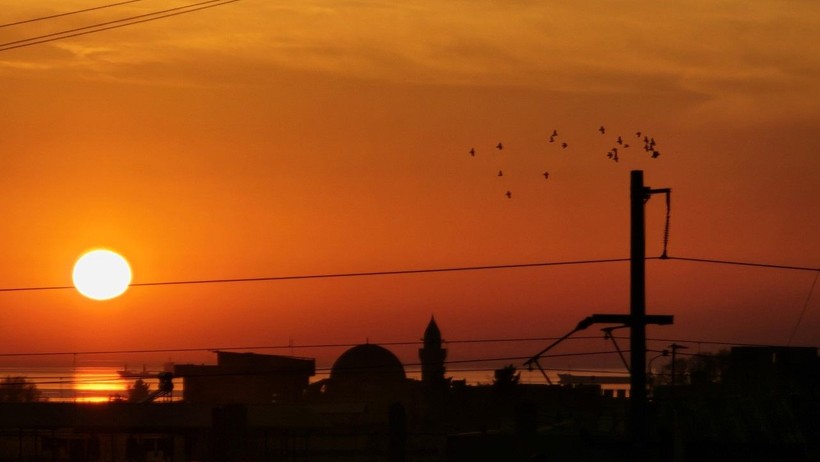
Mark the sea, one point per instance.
(100, 384)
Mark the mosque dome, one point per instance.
(367, 362)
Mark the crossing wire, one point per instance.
(116, 24)
(68, 13)
(337, 275)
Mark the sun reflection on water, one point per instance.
(81, 384)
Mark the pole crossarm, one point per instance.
(626, 319)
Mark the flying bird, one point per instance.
(500, 173)
(546, 175)
(620, 140)
(638, 134)
(555, 133)
(602, 130)
(508, 194)
(499, 146)
(472, 152)
(552, 139)
(655, 154)
(564, 145)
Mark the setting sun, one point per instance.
(101, 274)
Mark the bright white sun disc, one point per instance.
(101, 274)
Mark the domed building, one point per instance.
(369, 362)
(370, 373)
(367, 371)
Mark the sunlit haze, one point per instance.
(263, 139)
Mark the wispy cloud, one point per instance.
(610, 46)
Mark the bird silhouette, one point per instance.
(499, 146)
(564, 145)
(552, 139)
(546, 175)
(602, 130)
(555, 133)
(609, 154)
(638, 134)
(508, 194)
(472, 152)
(655, 154)
(620, 140)
(626, 145)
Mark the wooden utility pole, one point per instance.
(637, 309)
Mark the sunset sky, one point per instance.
(265, 138)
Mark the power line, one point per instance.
(271, 347)
(349, 345)
(740, 263)
(338, 275)
(420, 271)
(133, 20)
(69, 13)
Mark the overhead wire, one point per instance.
(419, 271)
(397, 272)
(68, 13)
(213, 3)
(292, 346)
(115, 24)
(741, 263)
(339, 275)
(327, 369)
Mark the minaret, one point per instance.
(432, 356)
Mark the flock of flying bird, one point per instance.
(621, 144)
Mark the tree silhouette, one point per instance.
(699, 369)
(506, 377)
(138, 391)
(19, 390)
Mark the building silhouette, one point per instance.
(248, 378)
(366, 373)
(751, 404)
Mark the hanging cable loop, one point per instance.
(668, 193)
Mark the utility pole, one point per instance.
(639, 194)
(636, 320)
(637, 309)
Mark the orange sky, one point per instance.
(265, 138)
